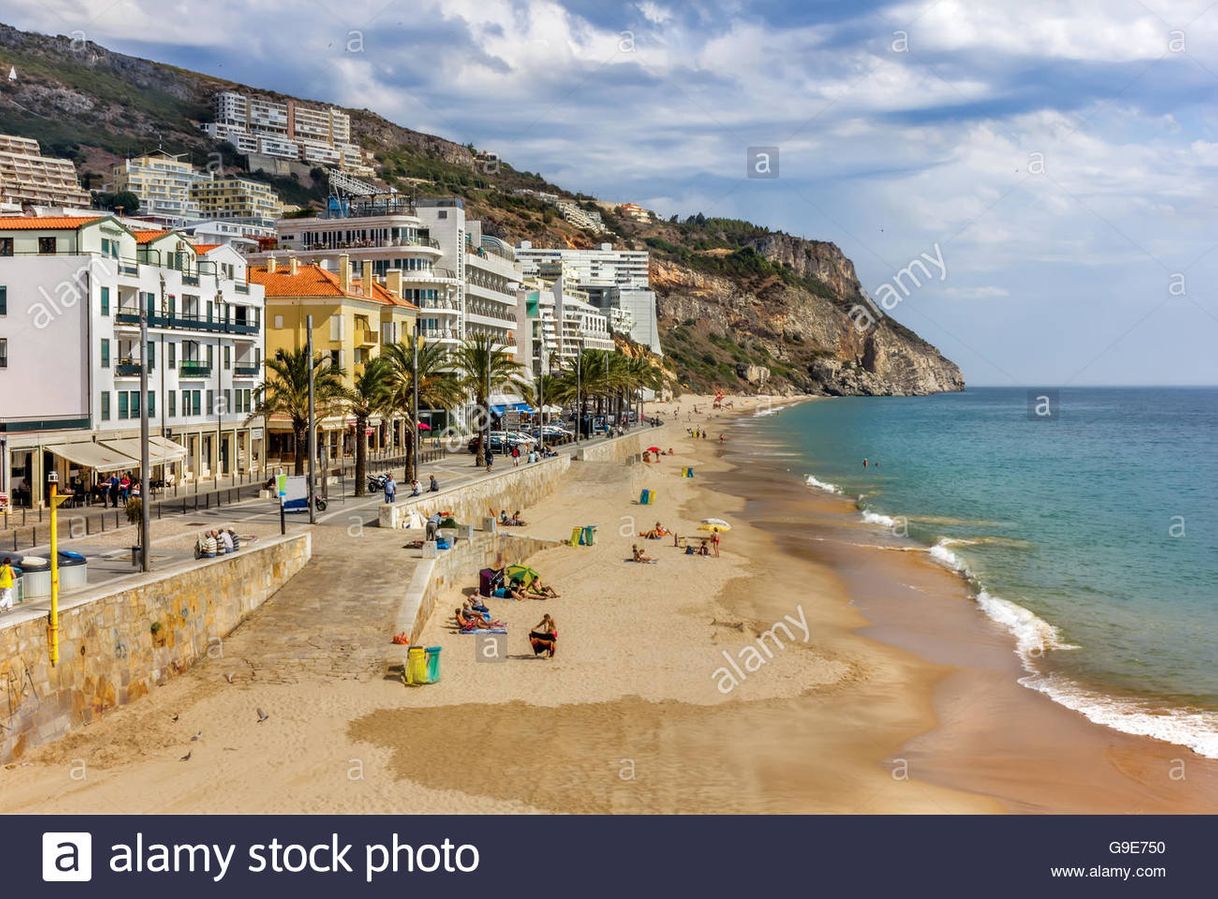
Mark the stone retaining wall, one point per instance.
(109, 652)
(515, 488)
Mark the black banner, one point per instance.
(610, 856)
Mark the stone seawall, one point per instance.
(115, 645)
(516, 488)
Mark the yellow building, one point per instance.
(236, 198)
(353, 317)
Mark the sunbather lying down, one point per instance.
(535, 590)
(656, 533)
(468, 621)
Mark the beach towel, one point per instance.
(484, 630)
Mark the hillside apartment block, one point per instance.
(287, 130)
(72, 292)
(173, 192)
(27, 178)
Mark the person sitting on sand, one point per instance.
(655, 533)
(703, 549)
(516, 520)
(639, 555)
(544, 637)
(471, 622)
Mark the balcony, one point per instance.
(186, 323)
(246, 371)
(127, 369)
(241, 288)
(190, 368)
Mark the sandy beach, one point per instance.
(814, 666)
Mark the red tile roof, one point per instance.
(45, 222)
(315, 281)
(142, 237)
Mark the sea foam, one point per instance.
(813, 481)
(877, 518)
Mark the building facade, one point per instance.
(353, 318)
(163, 182)
(27, 178)
(74, 291)
(229, 198)
(287, 130)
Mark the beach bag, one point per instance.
(489, 580)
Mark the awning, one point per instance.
(508, 402)
(97, 456)
(160, 449)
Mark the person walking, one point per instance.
(6, 585)
(515, 455)
(391, 489)
(113, 491)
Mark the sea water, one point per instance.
(1091, 533)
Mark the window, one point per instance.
(186, 402)
(105, 246)
(228, 402)
(105, 353)
(195, 408)
(3, 301)
(122, 404)
(105, 405)
(173, 402)
(211, 355)
(210, 306)
(173, 354)
(151, 404)
(278, 322)
(135, 404)
(228, 357)
(3, 352)
(6, 246)
(105, 301)
(442, 214)
(151, 356)
(46, 246)
(211, 402)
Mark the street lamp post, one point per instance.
(145, 462)
(414, 378)
(312, 425)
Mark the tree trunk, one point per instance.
(408, 448)
(300, 436)
(361, 456)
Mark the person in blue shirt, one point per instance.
(391, 489)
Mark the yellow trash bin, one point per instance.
(416, 665)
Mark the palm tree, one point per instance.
(439, 386)
(370, 394)
(483, 369)
(286, 392)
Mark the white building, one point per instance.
(588, 219)
(613, 279)
(71, 293)
(555, 324)
(163, 183)
(287, 130)
(387, 233)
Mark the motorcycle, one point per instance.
(376, 483)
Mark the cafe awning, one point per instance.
(508, 402)
(160, 449)
(96, 456)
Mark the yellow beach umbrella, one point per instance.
(714, 524)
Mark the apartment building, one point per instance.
(236, 199)
(27, 178)
(588, 219)
(353, 317)
(287, 130)
(163, 182)
(613, 280)
(555, 323)
(72, 292)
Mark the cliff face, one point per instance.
(806, 339)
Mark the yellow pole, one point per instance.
(54, 635)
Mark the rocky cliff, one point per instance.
(718, 328)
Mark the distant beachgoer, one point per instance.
(6, 585)
(715, 544)
(435, 485)
(865, 463)
(433, 526)
(703, 549)
(639, 555)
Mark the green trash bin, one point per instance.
(433, 664)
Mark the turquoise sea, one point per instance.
(1091, 535)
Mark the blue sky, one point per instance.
(1062, 156)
